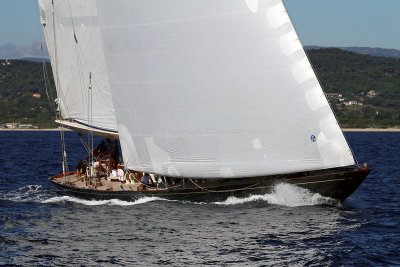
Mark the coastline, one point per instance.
(344, 130)
(34, 130)
(371, 129)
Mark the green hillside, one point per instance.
(23, 96)
(354, 75)
(371, 83)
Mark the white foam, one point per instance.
(111, 202)
(35, 193)
(285, 195)
(26, 193)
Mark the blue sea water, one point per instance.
(290, 226)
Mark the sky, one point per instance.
(347, 23)
(336, 23)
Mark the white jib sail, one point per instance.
(77, 59)
(212, 89)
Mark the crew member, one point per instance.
(80, 168)
(146, 179)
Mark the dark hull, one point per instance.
(337, 183)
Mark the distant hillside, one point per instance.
(364, 90)
(378, 52)
(372, 81)
(23, 96)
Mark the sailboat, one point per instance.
(209, 98)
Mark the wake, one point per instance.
(28, 193)
(37, 194)
(282, 194)
(285, 195)
(111, 202)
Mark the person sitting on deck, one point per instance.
(146, 178)
(119, 172)
(146, 181)
(97, 170)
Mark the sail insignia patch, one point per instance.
(313, 138)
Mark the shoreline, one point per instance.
(371, 129)
(34, 130)
(344, 130)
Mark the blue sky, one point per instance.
(344, 23)
(340, 23)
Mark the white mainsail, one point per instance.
(77, 58)
(213, 89)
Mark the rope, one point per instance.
(49, 94)
(213, 191)
(57, 80)
(202, 188)
(85, 145)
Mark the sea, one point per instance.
(288, 227)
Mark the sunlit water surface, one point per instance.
(290, 226)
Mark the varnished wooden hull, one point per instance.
(337, 183)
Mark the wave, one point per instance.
(38, 194)
(111, 202)
(285, 195)
(28, 193)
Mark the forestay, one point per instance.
(76, 53)
(206, 88)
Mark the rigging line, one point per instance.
(47, 83)
(213, 191)
(91, 114)
(84, 62)
(79, 60)
(44, 67)
(58, 85)
(65, 161)
(50, 97)
(59, 88)
(319, 82)
(85, 145)
(101, 91)
(46, 78)
(77, 50)
(57, 78)
(90, 84)
(202, 188)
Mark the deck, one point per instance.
(103, 183)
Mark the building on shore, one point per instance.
(11, 125)
(372, 94)
(15, 125)
(27, 126)
(353, 103)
